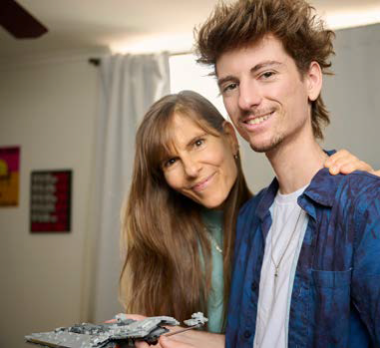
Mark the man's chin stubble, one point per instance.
(264, 148)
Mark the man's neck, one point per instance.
(296, 162)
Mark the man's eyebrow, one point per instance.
(232, 78)
(265, 64)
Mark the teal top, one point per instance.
(213, 220)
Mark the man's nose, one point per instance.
(249, 95)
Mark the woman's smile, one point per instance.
(203, 184)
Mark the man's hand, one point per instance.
(188, 339)
(167, 342)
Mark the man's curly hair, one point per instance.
(293, 22)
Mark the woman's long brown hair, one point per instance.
(163, 233)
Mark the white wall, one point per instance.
(47, 108)
(353, 94)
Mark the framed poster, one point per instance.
(50, 201)
(9, 176)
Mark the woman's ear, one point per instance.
(314, 79)
(230, 134)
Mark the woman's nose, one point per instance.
(191, 167)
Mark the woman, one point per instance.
(179, 222)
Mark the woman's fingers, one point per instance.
(344, 162)
(126, 316)
(135, 316)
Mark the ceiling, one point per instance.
(78, 26)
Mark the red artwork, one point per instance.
(50, 201)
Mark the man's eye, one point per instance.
(229, 87)
(267, 74)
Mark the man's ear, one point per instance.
(230, 134)
(314, 80)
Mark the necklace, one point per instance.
(278, 264)
(214, 242)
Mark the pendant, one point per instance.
(276, 272)
(275, 282)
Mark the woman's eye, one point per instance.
(169, 162)
(199, 142)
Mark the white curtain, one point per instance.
(129, 85)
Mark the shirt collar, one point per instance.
(321, 190)
(267, 199)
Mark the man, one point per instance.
(307, 270)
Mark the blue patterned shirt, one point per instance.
(335, 301)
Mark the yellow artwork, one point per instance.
(9, 176)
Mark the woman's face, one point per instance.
(202, 166)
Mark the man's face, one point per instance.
(264, 94)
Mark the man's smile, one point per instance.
(256, 119)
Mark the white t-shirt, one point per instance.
(282, 248)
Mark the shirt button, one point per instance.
(254, 286)
(247, 334)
